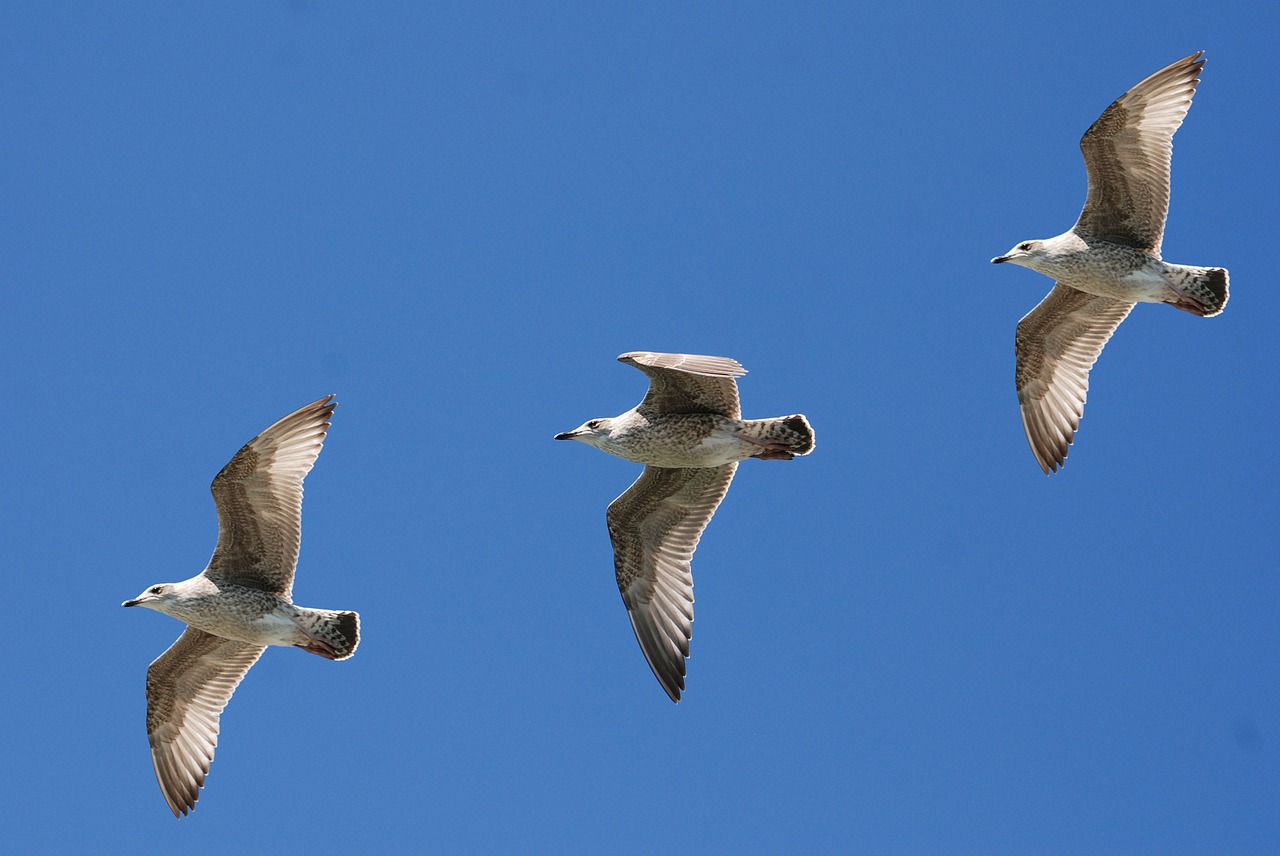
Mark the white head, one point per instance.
(593, 433)
(158, 597)
(1028, 254)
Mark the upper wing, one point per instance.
(187, 688)
(688, 383)
(259, 500)
(655, 527)
(1057, 343)
(1127, 153)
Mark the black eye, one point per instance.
(157, 589)
(593, 424)
(1026, 245)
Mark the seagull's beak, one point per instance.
(998, 259)
(567, 435)
(133, 602)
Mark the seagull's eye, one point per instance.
(156, 589)
(593, 424)
(1025, 245)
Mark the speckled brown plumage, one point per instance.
(655, 527)
(1057, 344)
(1109, 260)
(1127, 154)
(688, 383)
(240, 604)
(259, 499)
(689, 434)
(187, 688)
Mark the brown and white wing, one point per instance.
(688, 383)
(1057, 343)
(1127, 153)
(655, 527)
(187, 688)
(259, 500)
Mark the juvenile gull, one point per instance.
(1110, 259)
(240, 603)
(689, 433)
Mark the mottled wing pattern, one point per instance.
(1127, 154)
(1057, 343)
(655, 527)
(187, 688)
(259, 500)
(688, 383)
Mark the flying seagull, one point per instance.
(1110, 259)
(689, 433)
(239, 604)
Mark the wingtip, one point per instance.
(1191, 66)
(1196, 63)
(181, 803)
(1051, 460)
(672, 683)
(1049, 455)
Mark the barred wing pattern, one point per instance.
(655, 526)
(1057, 344)
(187, 688)
(688, 383)
(1127, 154)
(259, 500)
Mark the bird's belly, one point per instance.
(269, 629)
(715, 450)
(276, 629)
(1146, 284)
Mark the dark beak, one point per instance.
(998, 259)
(131, 603)
(567, 435)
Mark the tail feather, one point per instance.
(780, 439)
(801, 434)
(1216, 280)
(334, 635)
(1203, 291)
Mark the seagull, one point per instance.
(689, 433)
(1109, 261)
(239, 604)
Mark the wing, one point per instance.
(688, 383)
(1127, 153)
(259, 500)
(1057, 343)
(655, 527)
(187, 688)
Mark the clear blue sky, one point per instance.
(455, 216)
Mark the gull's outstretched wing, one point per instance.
(688, 383)
(1127, 153)
(655, 526)
(187, 688)
(259, 500)
(1057, 343)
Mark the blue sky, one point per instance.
(455, 216)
